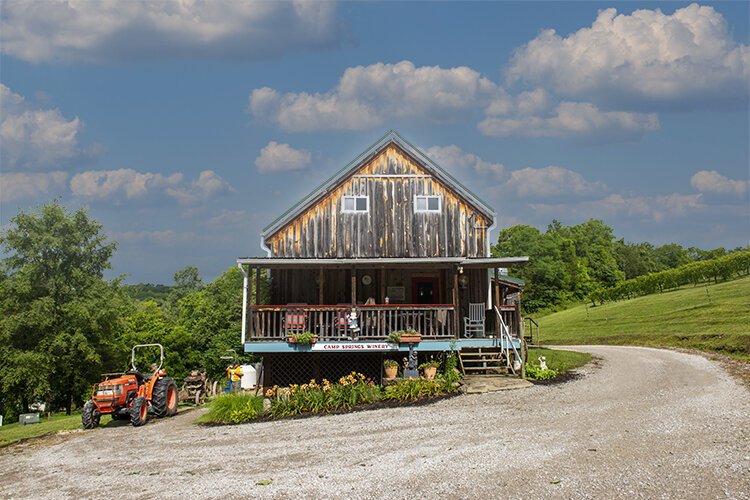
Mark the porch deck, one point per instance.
(357, 346)
(366, 327)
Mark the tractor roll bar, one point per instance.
(161, 354)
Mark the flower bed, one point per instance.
(351, 392)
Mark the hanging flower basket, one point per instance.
(302, 338)
(407, 338)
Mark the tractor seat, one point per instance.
(138, 376)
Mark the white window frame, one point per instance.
(354, 197)
(427, 204)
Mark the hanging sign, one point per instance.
(353, 346)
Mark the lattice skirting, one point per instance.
(299, 368)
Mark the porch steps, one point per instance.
(482, 360)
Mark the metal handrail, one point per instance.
(531, 329)
(505, 337)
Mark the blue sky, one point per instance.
(186, 127)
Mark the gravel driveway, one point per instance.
(644, 423)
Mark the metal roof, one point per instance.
(512, 280)
(390, 137)
(288, 263)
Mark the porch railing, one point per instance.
(506, 343)
(336, 322)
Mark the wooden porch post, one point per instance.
(257, 286)
(457, 308)
(354, 286)
(321, 283)
(382, 285)
(497, 300)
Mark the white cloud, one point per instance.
(20, 185)
(275, 157)
(646, 59)
(711, 181)
(568, 119)
(36, 138)
(453, 158)
(208, 185)
(653, 209)
(168, 237)
(105, 184)
(107, 31)
(228, 218)
(368, 96)
(129, 184)
(551, 182)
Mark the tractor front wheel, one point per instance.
(164, 397)
(90, 415)
(139, 411)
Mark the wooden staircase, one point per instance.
(482, 361)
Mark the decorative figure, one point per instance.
(542, 362)
(410, 365)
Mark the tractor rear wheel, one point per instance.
(90, 415)
(139, 411)
(164, 397)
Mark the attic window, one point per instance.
(356, 204)
(428, 204)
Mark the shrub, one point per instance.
(450, 377)
(390, 362)
(234, 408)
(534, 372)
(413, 389)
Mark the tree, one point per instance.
(566, 263)
(188, 279)
(635, 259)
(671, 255)
(544, 273)
(59, 320)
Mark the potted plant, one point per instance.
(306, 338)
(429, 369)
(391, 369)
(404, 336)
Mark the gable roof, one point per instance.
(391, 137)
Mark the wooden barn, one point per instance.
(390, 243)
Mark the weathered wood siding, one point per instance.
(391, 227)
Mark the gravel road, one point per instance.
(642, 423)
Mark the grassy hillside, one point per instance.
(714, 318)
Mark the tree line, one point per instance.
(571, 264)
(62, 324)
(723, 268)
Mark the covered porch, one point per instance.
(365, 300)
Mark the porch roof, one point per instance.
(389, 262)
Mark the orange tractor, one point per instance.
(131, 395)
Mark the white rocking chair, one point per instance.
(474, 323)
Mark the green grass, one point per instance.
(10, 433)
(711, 318)
(223, 409)
(560, 361)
